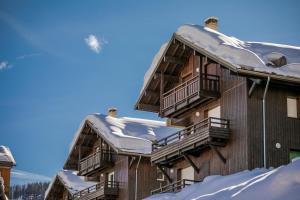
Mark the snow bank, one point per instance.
(70, 181)
(6, 155)
(127, 134)
(276, 184)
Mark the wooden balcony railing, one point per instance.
(96, 160)
(206, 85)
(207, 133)
(174, 187)
(101, 190)
(191, 131)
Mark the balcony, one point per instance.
(209, 132)
(190, 93)
(104, 190)
(95, 161)
(174, 187)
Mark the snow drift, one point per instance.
(276, 184)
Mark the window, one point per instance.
(188, 173)
(159, 175)
(292, 107)
(111, 179)
(215, 113)
(111, 176)
(294, 154)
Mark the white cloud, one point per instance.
(4, 65)
(24, 177)
(94, 43)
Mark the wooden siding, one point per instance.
(279, 128)
(146, 179)
(233, 103)
(5, 174)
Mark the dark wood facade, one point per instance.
(239, 106)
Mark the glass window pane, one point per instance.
(292, 107)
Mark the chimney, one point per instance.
(112, 112)
(212, 23)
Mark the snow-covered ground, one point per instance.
(282, 183)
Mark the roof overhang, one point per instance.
(56, 182)
(116, 150)
(234, 68)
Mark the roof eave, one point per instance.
(152, 75)
(223, 62)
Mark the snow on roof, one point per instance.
(6, 155)
(154, 63)
(251, 55)
(241, 54)
(276, 184)
(132, 135)
(70, 181)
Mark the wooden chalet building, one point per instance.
(66, 184)
(7, 161)
(239, 102)
(114, 154)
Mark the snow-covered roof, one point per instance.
(252, 56)
(127, 135)
(6, 156)
(276, 184)
(70, 181)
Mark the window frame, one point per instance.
(297, 107)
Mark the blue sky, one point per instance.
(50, 78)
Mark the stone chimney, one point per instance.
(211, 22)
(112, 112)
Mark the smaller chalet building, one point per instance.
(66, 184)
(110, 159)
(7, 161)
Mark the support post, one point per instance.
(165, 173)
(161, 92)
(223, 159)
(187, 158)
(264, 122)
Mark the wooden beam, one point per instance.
(187, 158)
(162, 78)
(174, 60)
(152, 92)
(168, 77)
(131, 161)
(148, 107)
(84, 148)
(222, 158)
(165, 173)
